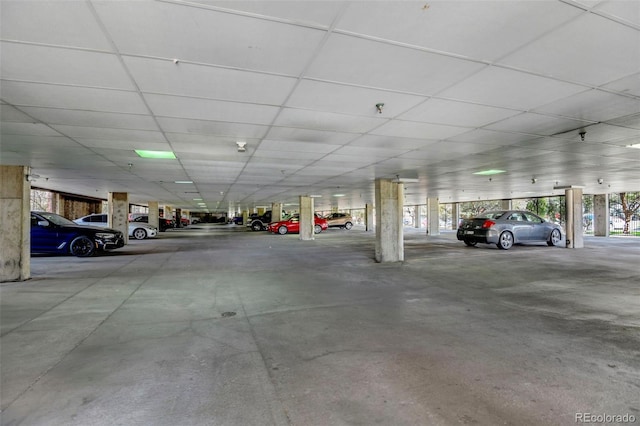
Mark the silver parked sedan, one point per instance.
(505, 228)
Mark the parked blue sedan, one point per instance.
(52, 233)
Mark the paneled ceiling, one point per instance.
(467, 86)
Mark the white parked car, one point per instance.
(137, 230)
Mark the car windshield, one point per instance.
(56, 219)
(491, 215)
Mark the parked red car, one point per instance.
(293, 225)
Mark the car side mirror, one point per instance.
(43, 223)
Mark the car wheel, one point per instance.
(317, 229)
(554, 238)
(282, 230)
(470, 243)
(82, 247)
(256, 226)
(139, 234)
(505, 242)
(348, 225)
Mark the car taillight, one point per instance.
(488, 224)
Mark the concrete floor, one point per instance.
(213, 325)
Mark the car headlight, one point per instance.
(105, 235)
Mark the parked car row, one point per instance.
(138, 230)
(292, 225)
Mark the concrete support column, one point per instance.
(119, 213)
(15, 224)
(601, 215)
(276, 212)
(389, 232)
(505, 204)
(168, 212)
(433, 216)
(245, 217)
(369, 224)
(178, 218)
(154, 214)
(455, 215)
(57, 204)
(306, 218)
(417, 217)
(573, 201)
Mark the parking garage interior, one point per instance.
(409, 116)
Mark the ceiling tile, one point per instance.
(64, 66)
(453, 113)
(357, 61)
(500, 87)
(92, 118)
(580, 51)
(53, 23)
(78, 98)
(240, 41)
(184, 79)
(593, 105)
(455, 26)
(537, 124)
(326, 121)
(412, 129)
(204, 109)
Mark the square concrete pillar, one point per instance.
(601, 215)
(154, 214)
(433, 216)
(178, 218)
(15, 223)
(245, 217)
(389, 231)
(455, 215)
(119, 213)
(417, 217)
(369, 223)
(306, 218)
(573, 201)
(276, 212)
(505, 204)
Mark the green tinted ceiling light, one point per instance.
(489, 172)
(156, 154)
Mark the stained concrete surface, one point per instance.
(322, 335)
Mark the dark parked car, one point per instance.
(163, 223)
(508, 227)
(52, 233)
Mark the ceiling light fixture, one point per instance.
(379, 107)
(582, 135)
(167, 155)
(242, 146)
(635, 145)
(533, 180)
(600, 181)
(489, 172)
(183, 181)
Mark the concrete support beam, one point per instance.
(369, 224)
(306, 218)
(389, 232)
(433, 216)
(154, 214)
(417, 217)
(573, 200)
(15, 224)
(119, 213)
(178, 218)
(455, 215)
(505, 204)
(601, 215)
(276, 212)
(245, 217)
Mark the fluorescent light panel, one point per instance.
(490, 172)
(155, 154)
